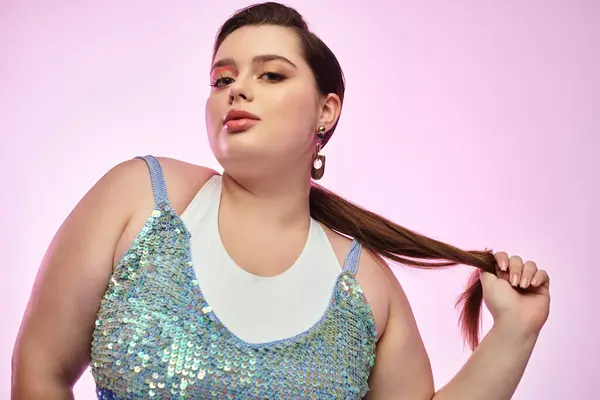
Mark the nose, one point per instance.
(240, 90)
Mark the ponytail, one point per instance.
(401, 245)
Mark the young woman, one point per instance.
(176, 282)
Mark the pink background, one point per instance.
(477, 123)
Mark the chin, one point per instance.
(235, 148)
(248, 142)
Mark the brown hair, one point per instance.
(377, 234)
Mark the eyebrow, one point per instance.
(229, 62)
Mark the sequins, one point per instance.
(206, 309)
(156, 337)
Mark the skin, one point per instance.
(264, 200)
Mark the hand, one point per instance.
(519, 295)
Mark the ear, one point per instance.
(331, 107)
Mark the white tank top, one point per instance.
(259, 309)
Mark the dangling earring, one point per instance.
(318, 168)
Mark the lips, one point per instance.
(239, 121)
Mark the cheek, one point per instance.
(213, 113)
(295, 112)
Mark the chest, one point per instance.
(156, 336)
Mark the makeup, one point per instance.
(222, 72)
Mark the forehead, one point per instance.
(249, 41)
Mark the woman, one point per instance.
(257, 283)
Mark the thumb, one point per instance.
(486, 277)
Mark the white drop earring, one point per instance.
(318, 168)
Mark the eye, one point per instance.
(221, 82)
(273, 76)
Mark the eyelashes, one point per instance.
(277, 77)
(268, 76)
(221, 82)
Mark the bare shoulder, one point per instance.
(183, 181)
(52, 348)
(374, 277)
(131, 177)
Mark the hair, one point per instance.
(380, 236)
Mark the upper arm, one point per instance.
(402, 369)
(54, 340)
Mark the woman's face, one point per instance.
(260, 70)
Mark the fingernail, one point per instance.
(534, 282)
(524, 282)
(515, 280)
(503, 266)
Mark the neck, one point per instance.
(276, 200)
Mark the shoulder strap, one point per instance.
(351, 262)
(159, 186)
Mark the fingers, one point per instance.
(502, 260)
(521, 275)
(515, 270)
(529, 270)
(540, 278)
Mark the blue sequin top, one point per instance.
(157, 338)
